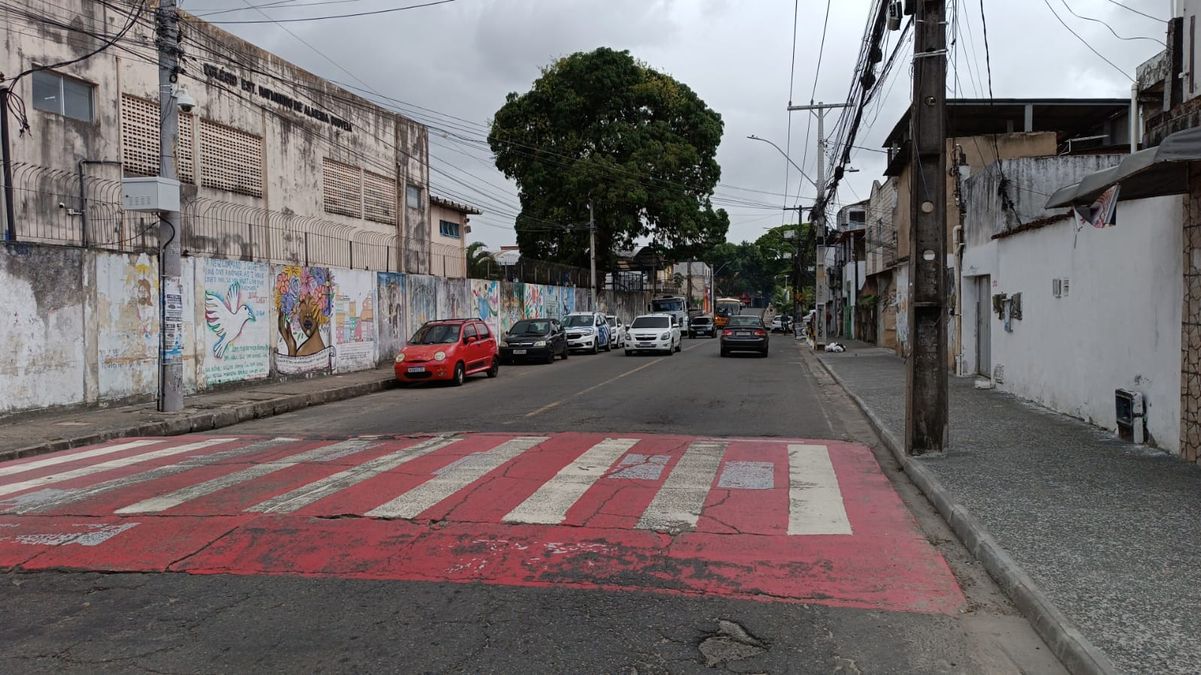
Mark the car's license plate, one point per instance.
(519, 351)
(742, 333)
(646, 344)
(417, 369)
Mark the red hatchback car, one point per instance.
(448, 351)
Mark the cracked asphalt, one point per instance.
(66, 622)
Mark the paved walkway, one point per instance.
(1110, 531)
(26, 435)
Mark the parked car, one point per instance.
(449, 351)
(534, 340)
(654, 333)
(617, 329)
(744, 334)
(702, 325)
(782, 323)
(587, 331)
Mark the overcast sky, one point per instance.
(460, 59)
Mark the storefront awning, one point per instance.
(1154, 172)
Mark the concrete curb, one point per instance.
(1062, 636)
(205, 420)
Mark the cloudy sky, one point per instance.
(452, 65)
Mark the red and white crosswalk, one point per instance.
(766, 518)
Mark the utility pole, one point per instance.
(170, 387)
(818, 214)
(926, 403)
(10, 221)
(592, 250)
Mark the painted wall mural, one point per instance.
(512, 308)
(423, 300)
(390, 314)
(237, 329)
(533, 301)
(354, 320)
(485, 298)
(304, 302)
(567, 300)
(453, 299)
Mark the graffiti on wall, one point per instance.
(533, 301)
(452, 299)
(304, 307)
(485, 297)
(423, 300)
(237, 331)
(390, 313)
(354, 320)
(567, 300)
(512, 310)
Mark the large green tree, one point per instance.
(602, 128)
(761, 266)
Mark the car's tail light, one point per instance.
(760, 333)
(727, 333)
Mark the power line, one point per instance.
(275, 3)
(1111, 30)
(1131, 9)
(796, 8)
(334, 16)
(1083, 41)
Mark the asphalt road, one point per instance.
(57, 621)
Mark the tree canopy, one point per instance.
(760, 267)
(602, 128)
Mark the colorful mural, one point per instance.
(485, 297)
(390, 314)
(354, 320)
(236, 330)
(453, 299)
(304, 301)
(567, 300)
(512, 299)
(422, 300)
(532, 303)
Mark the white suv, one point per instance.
(654, 333)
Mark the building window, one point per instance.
(379, 198)
(413, 196)
(139, 140)
(450, 229)
(343, 188)
(233, 159)
(62, 95)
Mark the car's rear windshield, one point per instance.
(651, 322)
(530, 327)
(700, 320)
(746, 321)
(577, 320)
(436, 334)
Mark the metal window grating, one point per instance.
(233, 159)
(342, 188)
(140, 124)
(379, 198)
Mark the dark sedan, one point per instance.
(744, 334)
(534, 340)
(701, 325)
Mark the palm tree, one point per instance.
(479, 261)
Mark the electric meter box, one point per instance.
(153, 193)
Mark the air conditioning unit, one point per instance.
(1131, 414)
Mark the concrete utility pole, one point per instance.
(170, 388)
(926, 404)
(592, 251)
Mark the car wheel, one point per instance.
(763, 354)
(550, 358)
(460, 375)
(564, 354)
(495, 369)
(595, 347)
(629, 353)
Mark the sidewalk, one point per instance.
(1109, 533)
(40, 433)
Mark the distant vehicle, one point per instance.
(674, 305)
(534, 340)
(702, 325)
(782, 323)
(587, 331)
(654, 333)
(744, 334)
(617, 329)
(448, 350)
(726, 308)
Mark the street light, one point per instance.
(753, 137)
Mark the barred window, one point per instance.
(140, 124)
(233, 159)
(379, 198)
(342, 188)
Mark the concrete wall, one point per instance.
(84, 324)
(1118, 326)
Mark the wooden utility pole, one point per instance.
(170, 389)
(926, 404)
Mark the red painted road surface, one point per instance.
(769, 519)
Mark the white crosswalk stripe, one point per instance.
(183, 495)
(413, 502)
(815, 503)
(75, 457)
(61, 497)
(678, 504)
(317, 490)
(549, 505)
(110, 465)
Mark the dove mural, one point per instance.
(236, 304)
